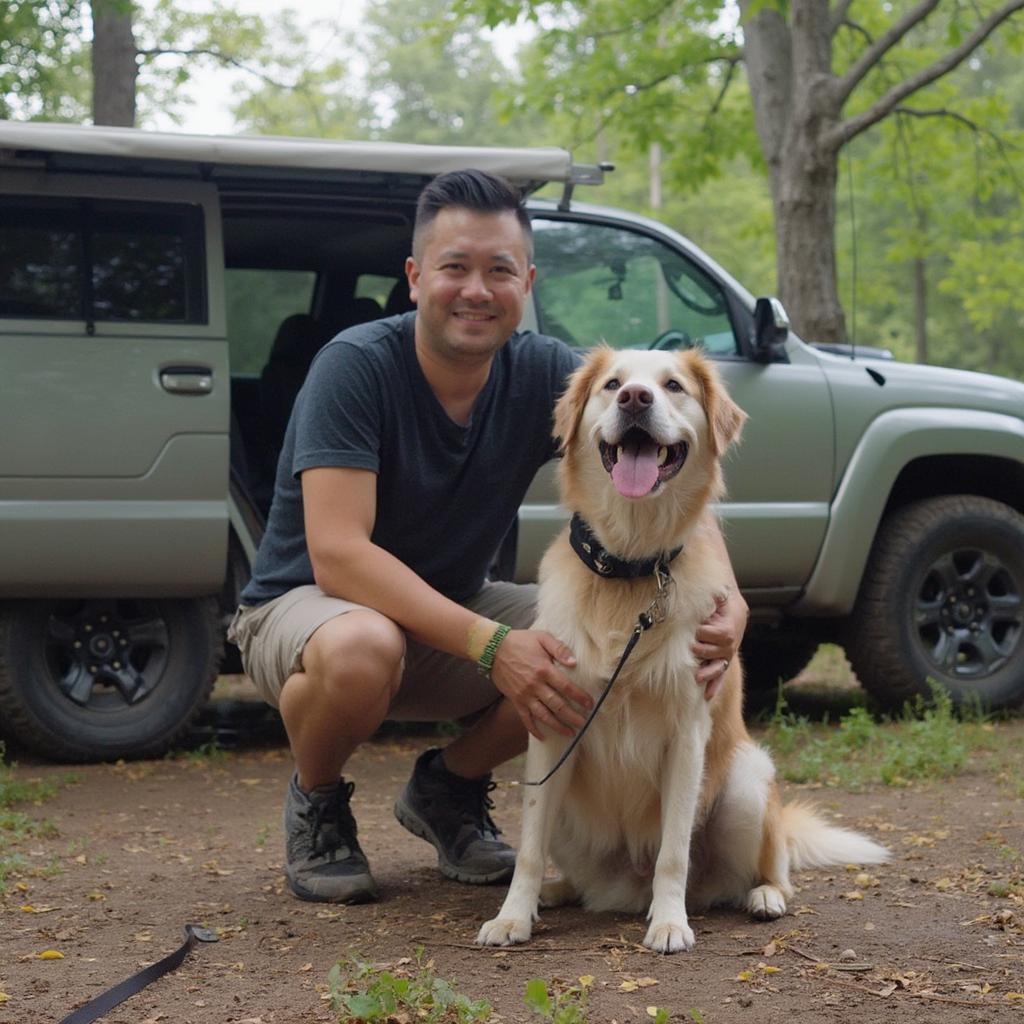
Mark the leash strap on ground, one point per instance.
(106, 1001)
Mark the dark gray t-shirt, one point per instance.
(446, 493)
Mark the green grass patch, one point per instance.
(928, 740)
(15, 824)
(410, 991)
(360, 991)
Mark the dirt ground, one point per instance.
(143, 848)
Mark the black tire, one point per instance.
(943, 599)
(96, 680)
(774, 655)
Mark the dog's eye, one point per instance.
(613, 385)
(673, 385)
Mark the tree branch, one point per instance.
(720, 98)
(224, 58)
(634, 24)
(632, 88)
(978, 129)
(838, 16)
(880, 47)
(852, 127)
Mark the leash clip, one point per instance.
(658, 609)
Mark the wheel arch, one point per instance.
(903, 456)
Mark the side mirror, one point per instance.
(771, 328)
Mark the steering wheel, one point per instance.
(671, 339)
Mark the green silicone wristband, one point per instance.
(486, 660)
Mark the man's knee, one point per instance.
(361, 647)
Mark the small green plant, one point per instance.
(210, 752)
(560, 1004)
(360, 991)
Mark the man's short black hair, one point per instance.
(471, 190)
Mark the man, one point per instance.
(410, 448)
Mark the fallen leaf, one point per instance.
(28, 908)
(305, 968)
(628, 986)
(857, 895)
(771, 949)
(744, 975)
(50, 954)
(887, 990)
(1014, 995)
(586, 980)
(95, 896)
(4, 997)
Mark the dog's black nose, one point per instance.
(634, 398)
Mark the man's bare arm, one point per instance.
(340, 510)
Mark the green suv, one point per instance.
(162, 296)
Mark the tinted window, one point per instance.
(598, 282)
(40, 261)
(92, 260)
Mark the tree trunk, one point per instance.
(795, 104)
(114, 63)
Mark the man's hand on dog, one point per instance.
(718, 641)
(526, 671)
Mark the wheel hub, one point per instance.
(106, 653)
(969, 613)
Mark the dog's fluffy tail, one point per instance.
(813, 843)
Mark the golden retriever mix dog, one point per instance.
(666, 802)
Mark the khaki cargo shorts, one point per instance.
(435, 686)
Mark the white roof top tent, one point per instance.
(217, 157)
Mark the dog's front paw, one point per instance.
(504, 931)
(766, 903)
(669, 937)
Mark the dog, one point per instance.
(666, 802)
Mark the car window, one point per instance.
(95, 260)
(599, 282)
(257, 303)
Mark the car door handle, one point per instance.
(187, 380)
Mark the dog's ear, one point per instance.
(725, 417)
(569, 408)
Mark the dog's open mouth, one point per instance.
(638, 464)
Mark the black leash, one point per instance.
(654, 614)
(106, 1001)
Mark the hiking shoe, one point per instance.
(451, 813)
(325, 863)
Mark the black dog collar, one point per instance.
(598, 560)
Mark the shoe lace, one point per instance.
(333, 823)
(475, 804)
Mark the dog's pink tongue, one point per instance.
(636, 471)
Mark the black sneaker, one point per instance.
(325, 863)
(451, 813)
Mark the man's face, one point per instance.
(469, 282)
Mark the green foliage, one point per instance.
(926, 741)
(44, 69)
(559, 1003)
(360, 991)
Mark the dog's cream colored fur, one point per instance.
(666, 802)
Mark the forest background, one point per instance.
(926, 198)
